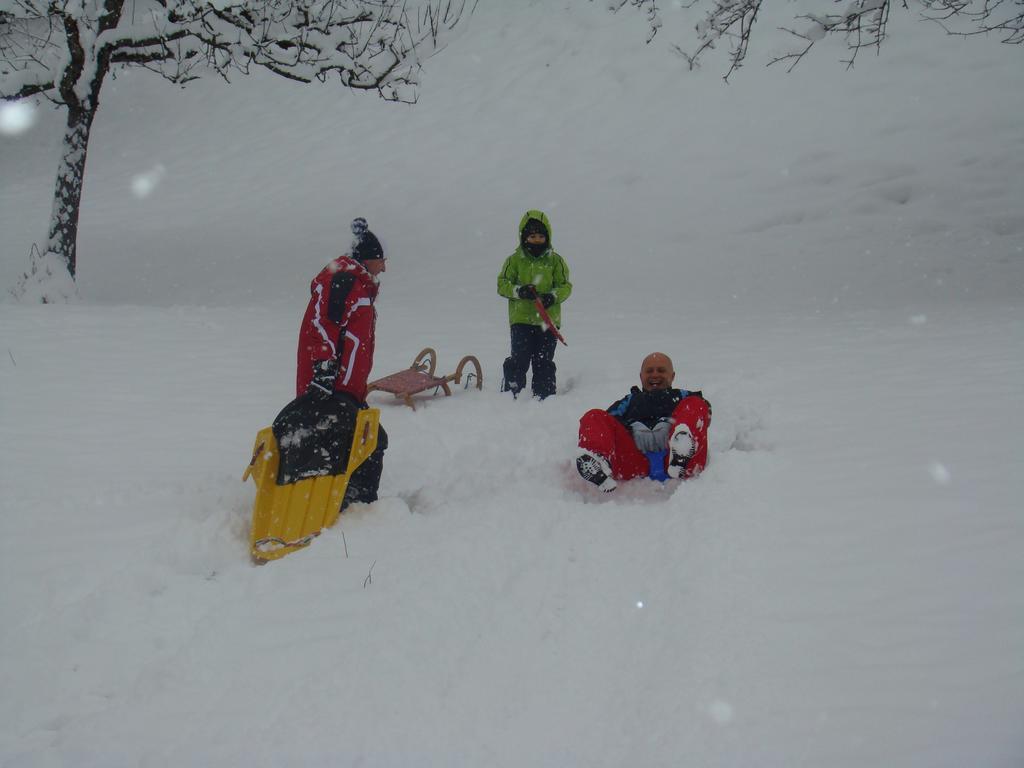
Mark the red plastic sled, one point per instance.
(420, 377)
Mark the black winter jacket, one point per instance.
(648, 407)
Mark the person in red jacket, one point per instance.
(336, 336)
(655, 431)
(335, 356)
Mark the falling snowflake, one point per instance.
(16, 117)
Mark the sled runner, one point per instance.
(287, 517)
(420, 377)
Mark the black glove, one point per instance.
(528, 291)
(324, 374)
(547, 299)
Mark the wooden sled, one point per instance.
(286, 518)
(420, 377)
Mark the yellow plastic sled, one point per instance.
(286, 518)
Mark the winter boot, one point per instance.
(681, 448)
(595, 469)
(513, 380)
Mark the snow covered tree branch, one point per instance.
(862, 24)
(62, 50)
(649, 7)
(1004, 18)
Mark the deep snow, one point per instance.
(836, 258)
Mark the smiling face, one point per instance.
(656, 372)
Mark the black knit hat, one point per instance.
(365, 244)
(534, 226)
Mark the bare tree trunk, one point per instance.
(67, 194)
(51, 277)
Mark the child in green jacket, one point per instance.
(534, 271)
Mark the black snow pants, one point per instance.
(363, 485)
(531, 345)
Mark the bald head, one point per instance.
(656, 372)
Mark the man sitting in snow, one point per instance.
(654, 431)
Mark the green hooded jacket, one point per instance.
(548, 272)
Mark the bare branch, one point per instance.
(863, 24)
(27, 91)
(726, 20)
(1001, 17)
(649, 7)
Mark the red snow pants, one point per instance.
(603, 434)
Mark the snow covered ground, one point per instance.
(836, 258)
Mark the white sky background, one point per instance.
(836, 258)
